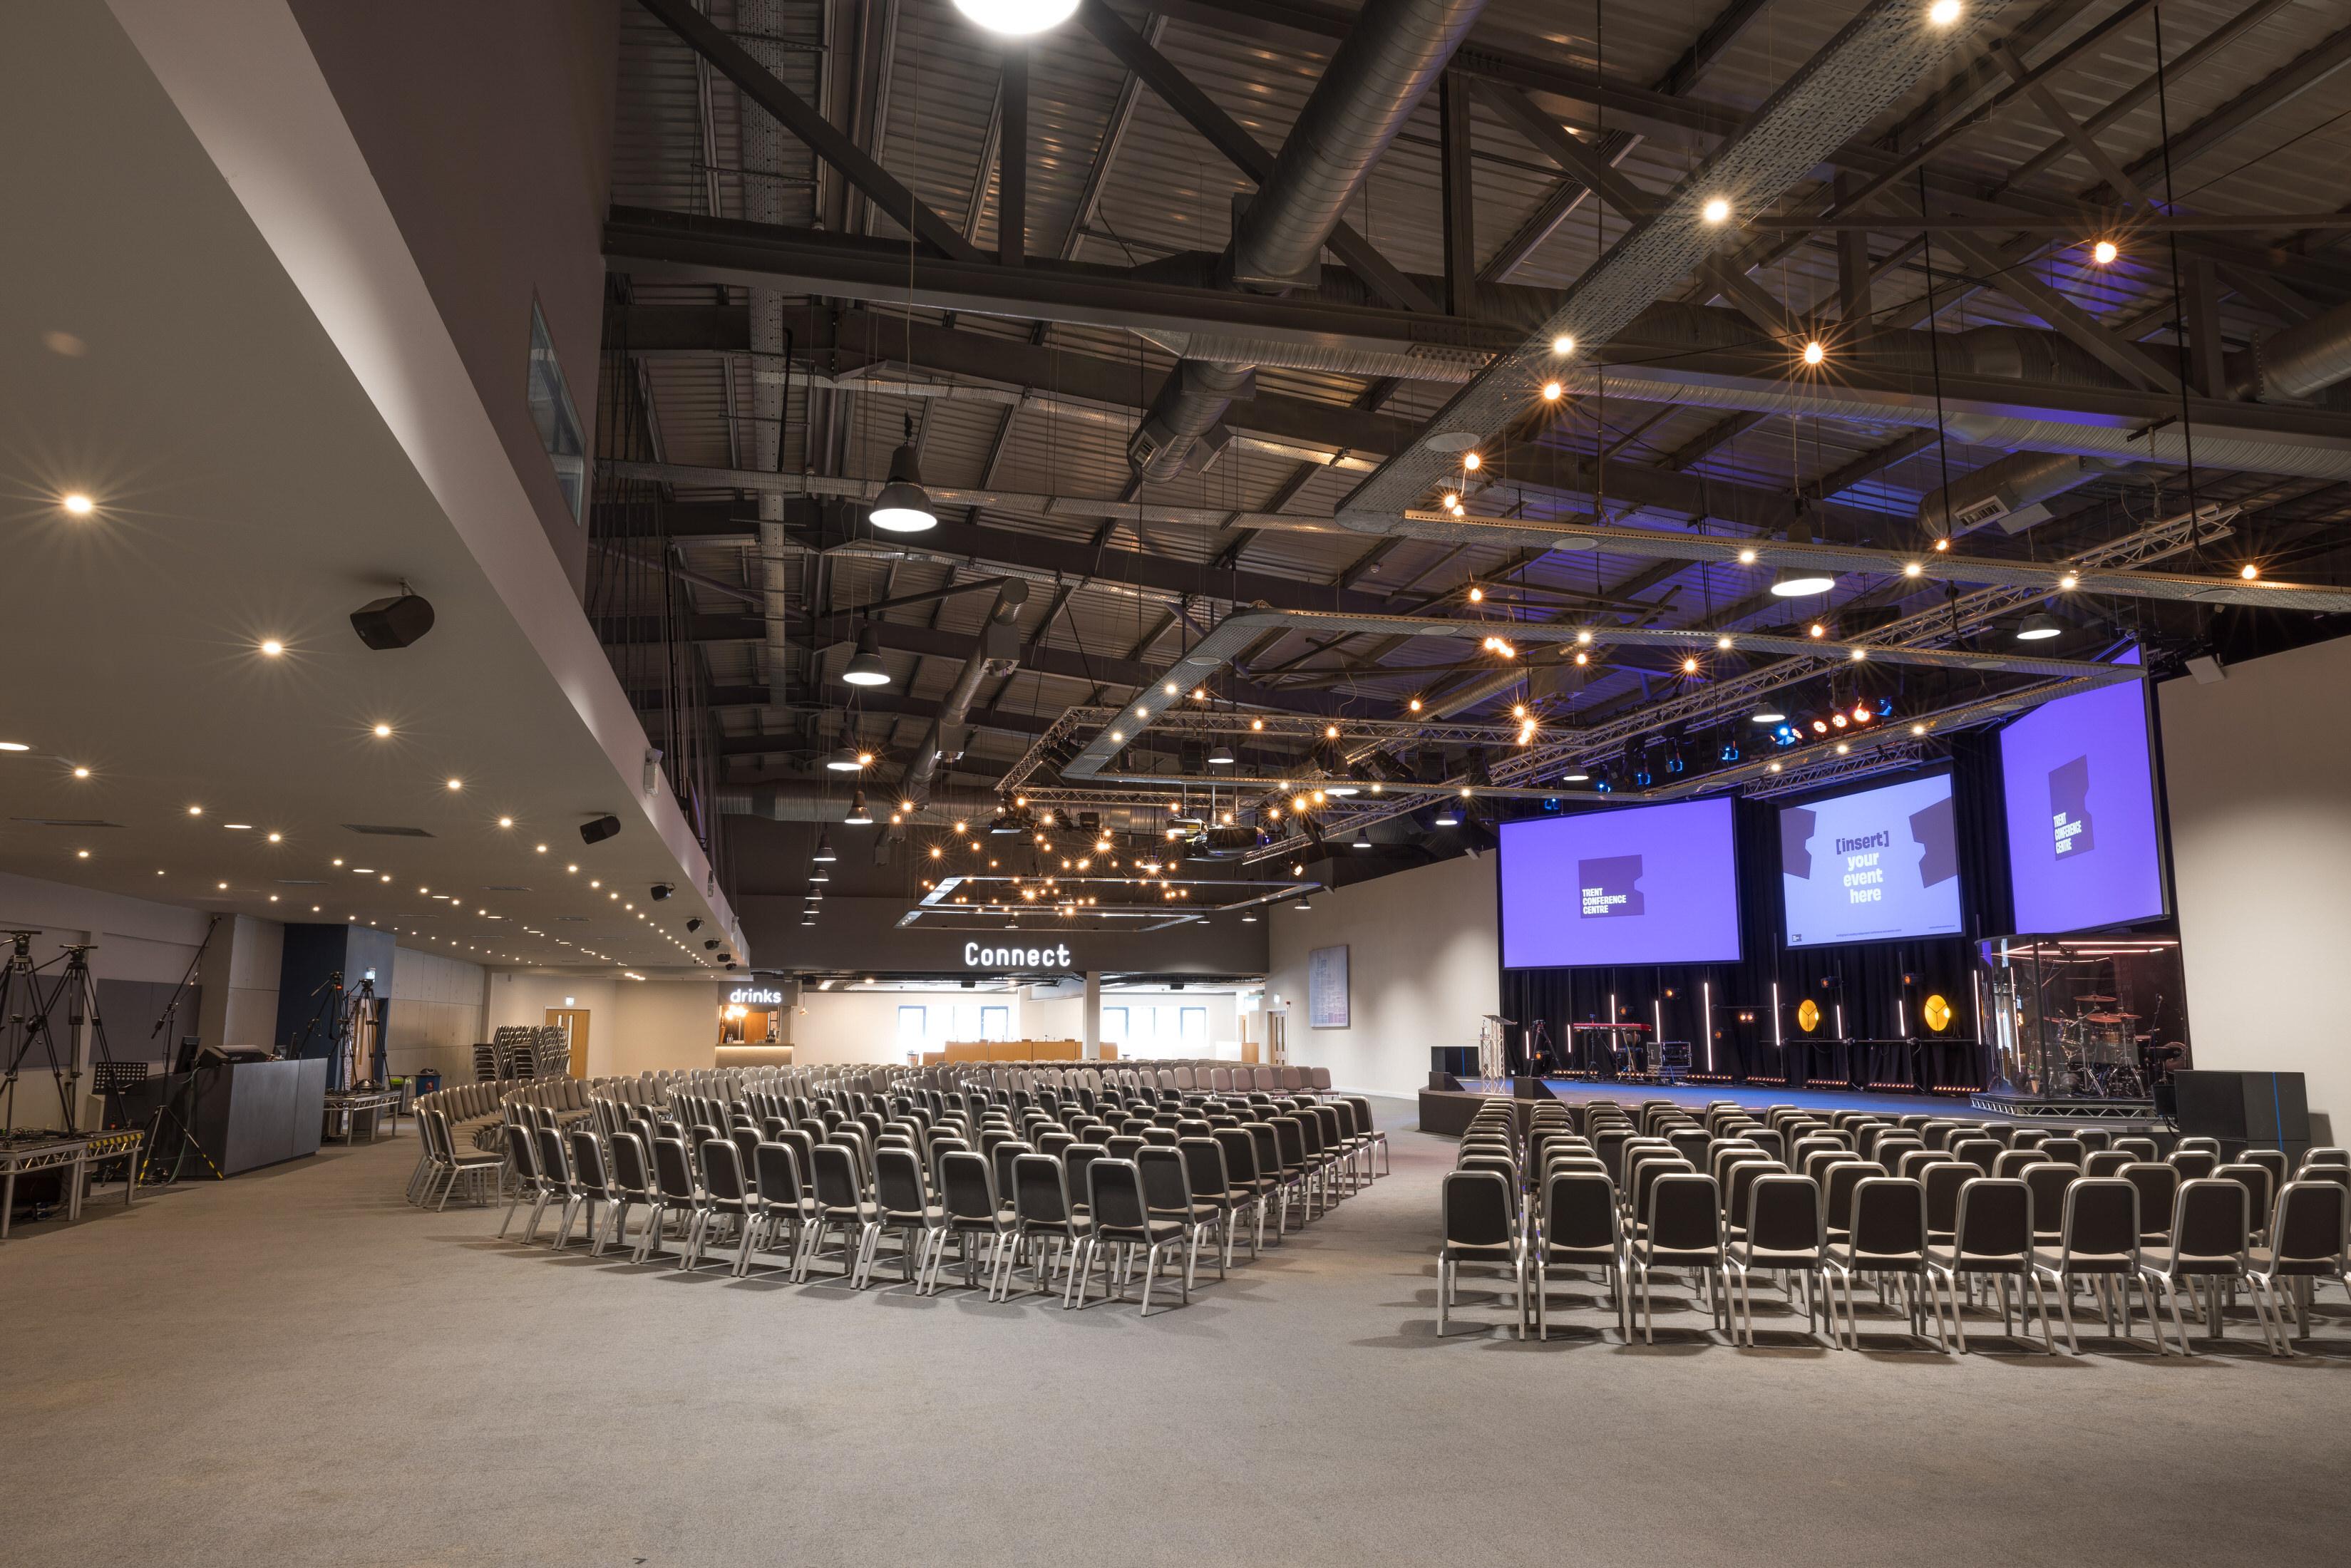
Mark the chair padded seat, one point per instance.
(1154, 1231)
(930, 1214)
(1465, 1252)
(2168, 1260)
(1842, 1255)
(1771, 1258)
(2052, 1260)
(2265, 1262)
(1948, 1259)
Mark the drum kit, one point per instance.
(2098, 1053)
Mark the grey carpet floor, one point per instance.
(294, 1368)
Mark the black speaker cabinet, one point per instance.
(2255, 1109)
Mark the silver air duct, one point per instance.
(763, 153)
(2009, 491)
(816, 803)
(997, 654)
(2298, 361)
(1377, 77)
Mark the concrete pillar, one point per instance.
(1089, 1028)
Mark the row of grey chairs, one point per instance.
(1847, 1218)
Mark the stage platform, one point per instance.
(1446, 1111)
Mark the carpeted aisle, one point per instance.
(294, 1368)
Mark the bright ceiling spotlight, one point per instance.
(904, 506)
(457, 783)
(1815, 353)
(1563, 344)
(20, 745)
(1689, 666)
(1450, 501)
(1471, 461)
(1861, 714)
(1717, 211)
(1551, 392)
(1837, 719)
(1817, 629)
(845, 759)
(1477, 595)
(2104, 252)
(1018, 18)
(2069, 581)
(2249, 571)
(1413, 705)
(1943, 13)
(1943, 547)
(272, 646)
(1800, 582)
(865, 667)
(383, 732)
(77, 504)
(1723, 643)
(2039, 627)
(1746, 557)
(1912, 568)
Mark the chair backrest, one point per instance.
(522, 1150)
(1479, 1209)
(2158, 1189)
(2016, 1161)
(839, 1184)
(632, 1170)
(1649, 1172)
(1040, 1194)
(586, 1162)
(2141, 1148)
(1944, 1182)
(776, 1167)
(898, 1181)
(1916, 1162)
(1784, 1212)
(1166, 1183)
(1837, 1184)
(2193, 1164)
(672, 1170)
(2255, 1179)
(722, 1170)
(1995, 1220)
(1114, 1195)
(1204, 1167)
(1240, 1154)
(1980, 1153)
(1579, 1210)
(967, 1185)
(2107, 1162)
(2049, 1182)
(2213, 1220)
(1889, 1219)
(2310, 1226)
(1684, 1211)
(2101, 1218)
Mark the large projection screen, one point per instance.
(2084, 849)
(1646, 884)
(1872, 865)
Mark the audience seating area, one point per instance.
(1079, 1176)
(1933, 1217)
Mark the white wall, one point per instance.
(435, 1015)
(2258, 772)
(241, 972)
(1423, 967)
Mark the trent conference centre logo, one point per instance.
(1611, 885)
(2069, 808)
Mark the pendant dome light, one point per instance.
(1447, 817)
(1016, 18)
(2039, 627)
(1801, 581)
(859, 817)
(824, 855)
(904, 506)
(865, 667)
(1220, 755)
(845, 759)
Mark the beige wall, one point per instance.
(1422, 966)
(240, 975)
(632, 1026)
(435, 1016)
(2257, 769)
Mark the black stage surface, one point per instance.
(1447, 1110)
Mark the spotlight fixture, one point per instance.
(2249, 573)
(859, 817)
(2039, 627)
(398, 621)
(1563, 345)
(1943, 13)
(2104, 252)
(1716, 211)
(710, 946)
(77, 504)
(693, 924)
(1249, 917)
(272, 647)
(866, 666)
(596, 830)
(1815, 353)
(659, 891)
(1551, 391)
(904, 506)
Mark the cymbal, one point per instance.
(2094, 997)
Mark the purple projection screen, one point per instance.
(1871, 866)
(1647, 885)
(2083, 847)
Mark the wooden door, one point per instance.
(573, 1022)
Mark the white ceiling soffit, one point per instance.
(259, 478)
(1830, 99)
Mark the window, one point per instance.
(556, 420)
(995, 1023)
(1195, 1031)
(1113, 1026)
(910, 1028)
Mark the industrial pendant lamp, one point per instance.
(1447, 817)
(1801, 581)
(866, 666)
(1362, 841)
(859, 817)
(845, 759)
(904, 506)
(2039, 627)
(824, 855)
(1016, 18)
(1220, 755)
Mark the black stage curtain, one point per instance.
(1881, 986)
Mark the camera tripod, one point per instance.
(352, 1010)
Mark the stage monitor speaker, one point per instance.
(2261, 1110)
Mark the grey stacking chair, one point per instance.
(522, 1153)
(1578, 1230)
(1781, 1232)
(1681, 1228)
(974, 1214)
(726, 1194)
(1992, 1237)
(1043, 1218)
(842, 1206)
(784, 1206)
(2098, 1235)
(1887, 1235)
(590, 1185)
(2309, 1240)
(1479, 1213)
(1122, 1218)
(2211, 1241)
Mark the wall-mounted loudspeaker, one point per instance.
(394, 622)
(596, 830)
